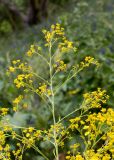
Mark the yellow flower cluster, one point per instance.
(87, 61)
(4, 148)
(84, 64)
(12, 69)
(28, 139)
(24, 72)
(91, 154)
(75, 123)
(18, 153)
(92, 131)
(3, 111)
(19, 81)
(16, 101)
(43, 90)
(31, 51)
(61, 134)
(2, 140)
(5, 152)
(77, 157)
(66, 45)
(18, 66)
(22, 79)
(95, 99)
(60, 66)
(30, 135)
(57, 34)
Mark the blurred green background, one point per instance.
(89, 23)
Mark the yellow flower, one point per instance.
(4, 111)
(17, 100)
(11, 69)
(31, 51)
(60, 65)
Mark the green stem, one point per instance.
(42, 57)
(39, 152)
(69, 114)
(39, 77)
(53, 105)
